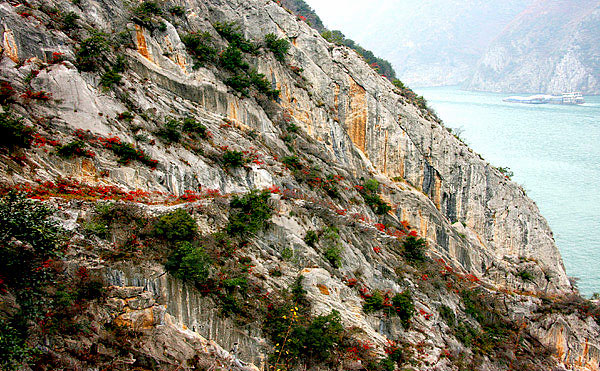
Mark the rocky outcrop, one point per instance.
(349, 125)
(549, 48)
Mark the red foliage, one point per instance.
(377, 249)
(38, 95)
(380, 227)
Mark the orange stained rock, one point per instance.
(324, 290)
(142, 47)
(437, 193)
(356, 119)
(10, 45)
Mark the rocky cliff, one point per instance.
(550, 48)
(389, 241)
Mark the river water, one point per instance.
(554, 152)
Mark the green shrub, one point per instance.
(127, 152)
(231, 32)
(279, 47)
(97, 228)
(369, 194)
(311, 238)
(403, 307)
(14, 351)
(189, 262)
(177, 11)
(233, 59)
(386, 364)
(234, 159)
(525, 275)
(448, 315)
(89, 55)
(73, 149)
(312, 341)
(176, 226)
(110, 78)
(125, 116)
(144, 13)
(373, 303)
(260, 82)
(170, 132)
(292, 162)
(30, 222)
(414, 249)
(249, 213)
(194, 127)
(69, 20)
(240, 83)
(333, 255)
(333, 248)
(236, 284)
(13, 133)
(199, 45)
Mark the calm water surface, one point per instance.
(554, 152)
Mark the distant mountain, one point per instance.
(428, 42)
(551, 47)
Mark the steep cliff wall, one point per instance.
(334, 125)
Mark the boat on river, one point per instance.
(565, 98)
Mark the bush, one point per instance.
(199, 45)
(279, 47)
(414, 249)
(369, 194)
(292, 162)
(176, 226)
(333, 256)
(14, 351)
(143, 13)
(234, 159)
(73, 149)
(231, 32)
(249, 213)
(525, 275)
(192, 126)
(311, 238)
(448, 315)
(127, 152)
(260, 82)
(13, 133)
(89, 55)
(403, 307)
(373, 303)
(110, 78)
(189, 262)
(333, 247)
(240, 83)
(177, 11)
(69, 21)
(170, 132)
(233, 59)
(311, 340)
(29, 222)
(7, 92)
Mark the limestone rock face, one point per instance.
(349, 123)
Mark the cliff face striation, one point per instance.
(550, 48)
(146, 125)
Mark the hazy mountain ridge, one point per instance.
(552, 47)
(430, 42)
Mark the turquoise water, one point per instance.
(554, 152)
